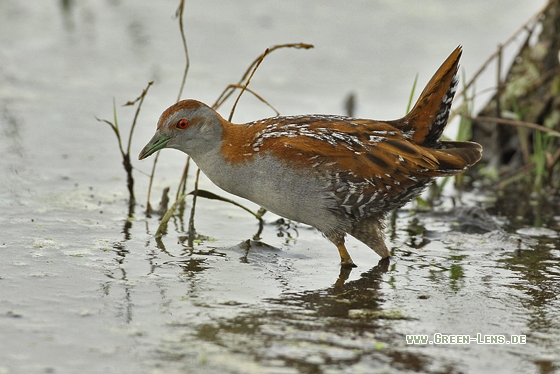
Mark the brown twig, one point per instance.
(183, 182)
(126, 153)
(499, 83)
(162, 228)
(152, 174)
(242, 85)
(179, 14)
(192, 231)
(140, 101)
(126, 161)
(512, 122)
(221, 99)
(225, 94)
(525, 27)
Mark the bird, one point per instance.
(338, 174)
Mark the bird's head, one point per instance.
(189, 126)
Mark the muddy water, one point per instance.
(85, 287)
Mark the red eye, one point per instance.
(182, 124)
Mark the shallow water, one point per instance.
(85, 286)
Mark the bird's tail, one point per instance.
(425, 123)
(455, 157)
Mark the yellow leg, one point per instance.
(345, 259)
(338, 239)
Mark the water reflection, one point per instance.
(14, 154)
(304, 330)
(352, 323)
(174, 295)
(316, 331)
(66, 5)
(538, 273)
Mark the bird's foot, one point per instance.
(348, 263)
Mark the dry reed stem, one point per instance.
(192, 230)
(150, 183)
(183, 182)
(165, 219)
(524, 27)
(179, 14)
(126, 153)
(140, 101)
(516, 123)
(250, 70)
(242, 85)
(238, 86)
(498, 54)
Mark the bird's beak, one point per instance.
(158, 142)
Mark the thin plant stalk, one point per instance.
(393, 216)
(182, 185)
(162, 228)
(242, 85)
(511, 122)
(229, 91)
(179, 15)
(192, 231)
(464, 132)
(525, 27)
(411, 96)
(140, 101)
(238, 86)
(152, 174)
(126, 153)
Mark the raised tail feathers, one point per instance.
(425, 123)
